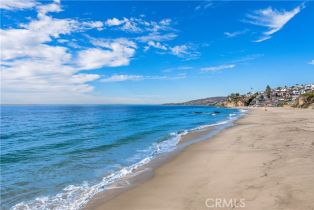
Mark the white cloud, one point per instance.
(31, 38)
(263, 38)
(235, 33)
(272, 19)
(185, 68)
(157, 40)
(179, 50)
(131, 26)
(162, 25)
(138, 25)
(184, 51)
(46, 8)
(247, 58)
(204, 5)
(93, 24)
(116, 53)
(177, 68)
(124, 77)
(157, 45)
(33, 65)
(17, 4)
(124, 24)
(217, 68)
(44, 77)
(40, 59)
(156, 36)
(82, 78)
(311, 62)
(114, 22)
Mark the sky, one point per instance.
(151, 52)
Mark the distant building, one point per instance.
(279, 96)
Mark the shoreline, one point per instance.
(218, 169)
(146, 171)
(111, 183)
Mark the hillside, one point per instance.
(212, 101)
(299, 96)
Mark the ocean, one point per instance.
(60, 156)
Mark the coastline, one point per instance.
(248, 161)
(138, 162)
(146, 171)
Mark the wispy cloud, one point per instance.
(180, 68)
(263, 38)
(204, 5)
(156, 45)
(217, 68)
(271, 19)
(247, 58)
(125, 77)
(232, 63)
(186, 51)
(179, 50)
(157, 36)
(138, 25)
(235, 33)
(154, 35)
(311, 62)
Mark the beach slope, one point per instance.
(266, 161)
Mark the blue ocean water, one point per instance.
(60, 156)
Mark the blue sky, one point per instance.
(151, 52)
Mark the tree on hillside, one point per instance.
(268, 91)
(262, 98)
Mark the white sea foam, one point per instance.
(210, 125)
(74, 197)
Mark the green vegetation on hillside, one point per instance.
(308, 96)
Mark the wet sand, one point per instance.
(266, 161)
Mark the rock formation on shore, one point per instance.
(305, 101)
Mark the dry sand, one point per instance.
(267, 159)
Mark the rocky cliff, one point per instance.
(237, 100)
(305, 101)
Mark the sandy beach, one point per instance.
(265, 161)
